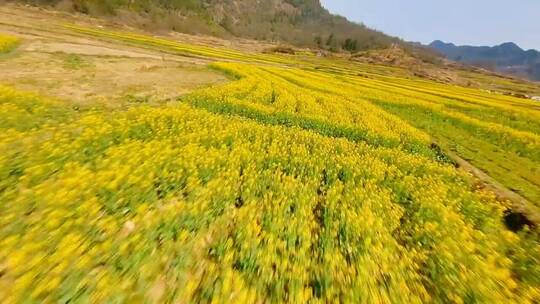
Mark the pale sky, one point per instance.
(470, 22)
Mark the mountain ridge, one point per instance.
(506, 57)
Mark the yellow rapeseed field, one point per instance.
(287, 184)
(8, 43)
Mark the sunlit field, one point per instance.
(302, 179)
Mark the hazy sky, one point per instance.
(473, 22)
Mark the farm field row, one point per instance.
(499, 134)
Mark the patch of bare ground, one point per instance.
(83, 70)
(105, 79)
(398, 57)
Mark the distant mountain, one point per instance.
(505, 58)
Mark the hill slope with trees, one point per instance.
(506, 58)
(303, 23)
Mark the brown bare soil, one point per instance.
(53, 62)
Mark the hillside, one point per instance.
(302, 23)
(505, 58)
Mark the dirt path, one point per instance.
(520, 206)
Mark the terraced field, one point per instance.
(302, 179)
